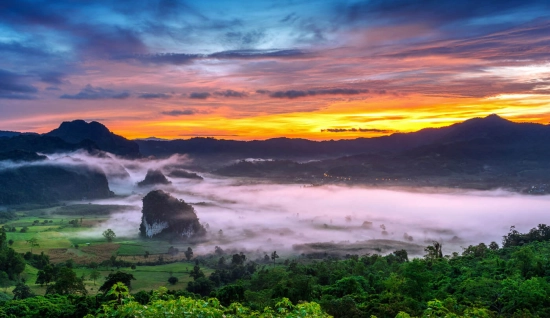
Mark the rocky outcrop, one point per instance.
(164, 215)
(153, 177)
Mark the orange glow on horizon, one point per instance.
(370, 117)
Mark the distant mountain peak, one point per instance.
(495, 118)
(78, 130)
(490, 120)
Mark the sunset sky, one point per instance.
(261, 69)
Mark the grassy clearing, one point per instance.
(58, 239)
(147, 277)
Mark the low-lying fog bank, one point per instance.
(289, 218)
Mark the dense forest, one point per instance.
(512, 280)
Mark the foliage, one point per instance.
(162, 306)
(482, 281)
(66, 282)
(11, 262)
(538, 234)
(173, 280)
(109, 235)
(189, 253)
(22, 291)
(118, 277)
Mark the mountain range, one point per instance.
(490, 150)
(492, 137)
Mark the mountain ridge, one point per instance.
(79, 130)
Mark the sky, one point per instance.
(316, 69)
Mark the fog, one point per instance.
(259, 216)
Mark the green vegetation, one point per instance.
(482, 281)
(109, 235)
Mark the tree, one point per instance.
(66, 282)
(189, 253)
(33, 242)
(10, 242)
(4, 280)
(95, 274)
(109, 235)
(196, 273)
(274, 256)
(117, 277)
(3, 237)
(401, 256)
(202, 286)
(46, 275)
(173, 280)
(22, 291)
(238, 259)
(221, 262)
(434, 251)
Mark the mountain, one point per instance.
(21, 156)
(479, 153)
(78, 131)
(44, 144)
(9, 134)
(491, 128)
(51, 183)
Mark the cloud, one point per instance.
(22, 50)
(12, 86)
(186, 58)
(528, 42)
(199, 95)
(163, 58)
(230, 93)
(244, 38)
(93, 93)
(291, 94)
(52, 77)
(258, 54)
(339, 130)
(155, 96)
(183, 112)
(435, 12)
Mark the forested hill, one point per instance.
(78, 130)
(483, 281)
(71, 136)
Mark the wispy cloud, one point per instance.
(154, 96)
(92, 93)
(230, 93)
(363, 130)
(199, 95)
(12, 86)
(182, 112)
(291, 94)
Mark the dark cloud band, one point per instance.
(93, 93)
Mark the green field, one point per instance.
(147, 277)
(63, 241)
